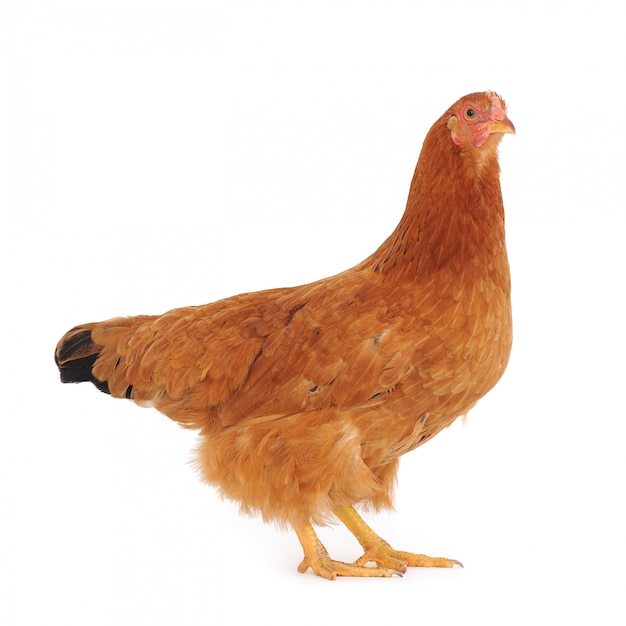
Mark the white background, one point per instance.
(158, 153)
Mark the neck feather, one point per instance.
(454, 212)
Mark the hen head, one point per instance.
(478, 118)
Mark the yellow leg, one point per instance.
(316, 557)
(378, 551)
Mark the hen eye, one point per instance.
(470, 113)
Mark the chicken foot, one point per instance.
(377, 550)
(316, 557)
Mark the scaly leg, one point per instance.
(377, 550)
(316, 557)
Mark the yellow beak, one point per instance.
(502, 126)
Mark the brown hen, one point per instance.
(306, 397)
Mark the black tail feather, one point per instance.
(75, 356)
(75, 343)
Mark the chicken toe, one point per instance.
(385, 556)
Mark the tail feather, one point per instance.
(96, 353)
(112, 356)
(76, 355)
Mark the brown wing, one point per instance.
(275, 352)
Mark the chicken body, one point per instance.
(306, 397)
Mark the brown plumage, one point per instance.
(306, 397)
